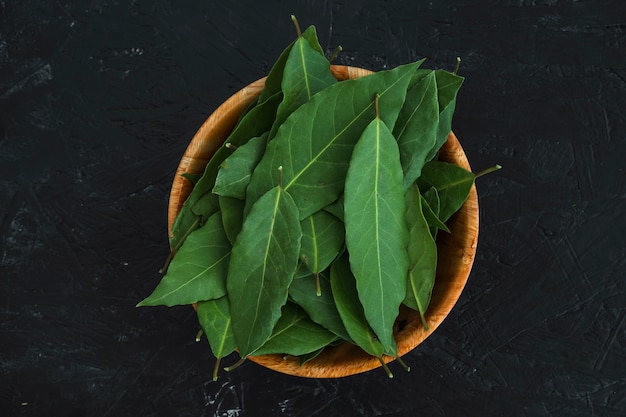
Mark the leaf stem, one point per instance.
(199, 335)
(385, 367)
(404, 365)
(297, 25)
(216, 368)
(335, 53)
(488, 170)
(457, 65)
(318, 287)
(376, 105)
(235, 365)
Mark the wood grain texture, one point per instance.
(456, 250)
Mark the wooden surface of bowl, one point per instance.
(456, 250)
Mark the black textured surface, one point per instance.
(98, 100)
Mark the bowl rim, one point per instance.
(452, 275)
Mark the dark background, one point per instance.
(98, 100)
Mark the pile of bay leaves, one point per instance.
(318, 217)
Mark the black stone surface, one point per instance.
(98, 100)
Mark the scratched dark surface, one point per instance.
(98, 100)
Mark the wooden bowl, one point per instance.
(456, 250)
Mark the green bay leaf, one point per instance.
(452, 183)
(343, 285)
(336, 208)
(315, 142)
(422, 252)
(431, 207)
(214, 318)
(198, 271)
(264, 259)
(416, 128)
(321, 309)
(306, 73)
(201, 202)
(322, 239)
(235, 171)
(295, 334)
(448, 85)
(275, 76)
(376, 231)
(232, 216)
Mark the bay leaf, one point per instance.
(321, 309)
(431, 207)
(200, 202)
(315, 142)
(452, 183)
(343, 285)
(264, 259)
(295, 334)
(322, 239)
(306, 73)
(422, 252)
(416, 128)
(235, 171)
(214, 318)
(232, 216)
(448, 85)
(198, 271)
(336, 208)
(376, 231)
(301, 271)
(275, 75)
(307, 357)
(193, 178)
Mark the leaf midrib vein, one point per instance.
(265, 257)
